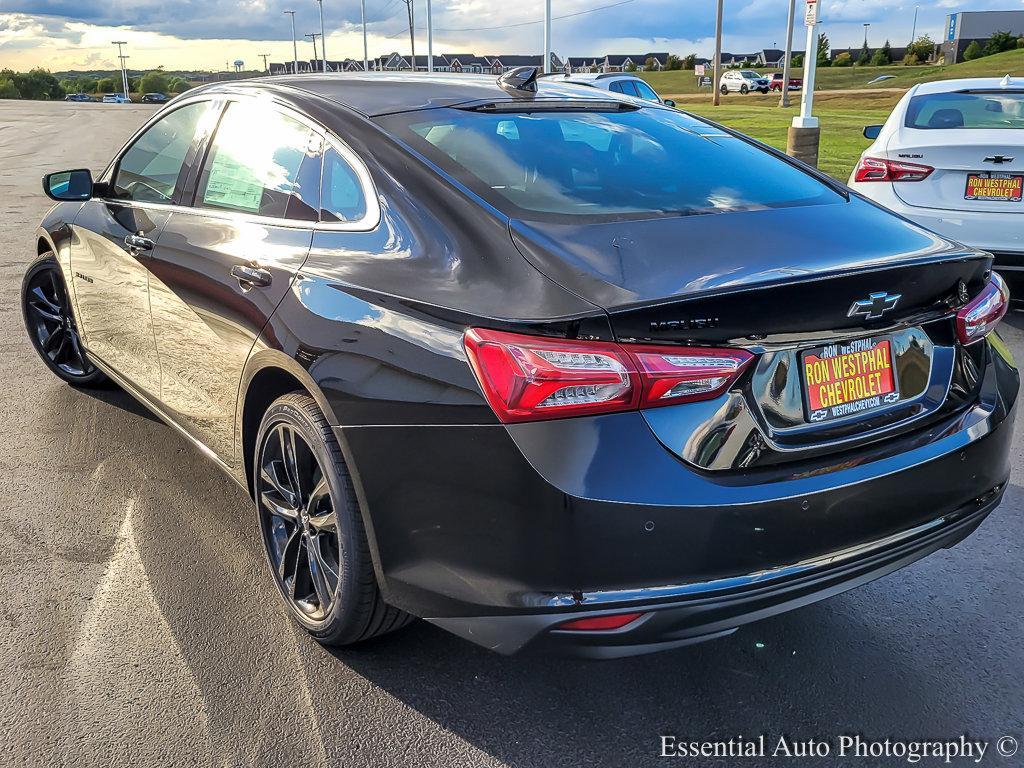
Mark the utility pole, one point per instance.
(366, 50)
(313, 36)
(265, 56)
(124, 70)
(913, 31)
(430, 39)
(784, 98)
(295, 45)
(547, 36)
(411, 13)
(323, 37)
(718, 57)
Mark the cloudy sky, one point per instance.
(206, 34)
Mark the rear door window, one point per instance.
(342, 198)
(645, 91)
(262, 162)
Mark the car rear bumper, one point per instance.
(999, 233)
(499, 533)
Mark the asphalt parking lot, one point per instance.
(137, 624)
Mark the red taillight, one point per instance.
(592, 623)
(529, 378)
(880, 169)
(976, 320)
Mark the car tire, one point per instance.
(744, 90)
(312, 527)
(50, 321)
(763, 90)
(725, 90)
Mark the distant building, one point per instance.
(773, 57)
(966, 27)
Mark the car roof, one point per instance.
(381, 93)
(970, 83)
(589, 77)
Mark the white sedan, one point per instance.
(951, 158)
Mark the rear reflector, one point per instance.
(978, 318)
(880, 169)
(529, 378)
(598, 623)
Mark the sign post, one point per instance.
(804, 134)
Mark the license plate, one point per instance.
(846, 379)
(993, 186)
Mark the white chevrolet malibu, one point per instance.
(951, 158)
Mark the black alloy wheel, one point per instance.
(312, 527)
(299, 522)
(51, 324)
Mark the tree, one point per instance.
(178, 85)
(37, 84)
(864, 57)
(798, 60)
(824, 46)
(631, 67)
(87, 84)
(843, 60)
(883, 56)
(105, 85)
(650, 65)
(8, 90)
(690, 62)
(973, 51)
(923, 48)
(999, 42)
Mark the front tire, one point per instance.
(51, 325)
(744, 90)
(725, 90)
(312, 527)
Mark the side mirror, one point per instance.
(669, 102)
(872, 131)
(68, 186)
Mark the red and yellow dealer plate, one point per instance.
(846, 379)
(993, 186)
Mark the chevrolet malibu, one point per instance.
(545, 366)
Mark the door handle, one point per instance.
(252, 277)
(136, 243)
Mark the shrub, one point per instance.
(8, 90)
(973, 51)
(843, 60)
(999, 42)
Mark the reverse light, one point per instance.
(598, 623)
(880, 169)
(978, 318)
(529, 378)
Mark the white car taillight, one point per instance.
(880, 169)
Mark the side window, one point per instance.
(342, 195)
(148, 171)
(645, 91)
(628, 87)
(616, 86)
(262, 162)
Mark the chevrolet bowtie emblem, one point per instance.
(998, 159)
(874, 306)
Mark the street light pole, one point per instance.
(124, 71)
(866, 25)
(430, 39)
(718, 56)
(323, 37)
(784, 98)
(366, 50)
(547, 36)
(913, 30)
(295, 45)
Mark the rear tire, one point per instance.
(312, 527)
(725, 90)
(50, 322)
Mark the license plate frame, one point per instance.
(860, 349)
(1013, 192)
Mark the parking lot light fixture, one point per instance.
(323, 37)
(295, 45)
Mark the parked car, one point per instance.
(795, 83)
(116, 98)
(617, 82)
(951, 158)
(743, 81)
(78, 97)
(440, 330)
(155, 98)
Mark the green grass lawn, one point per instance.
(843, 78)
(842, 120)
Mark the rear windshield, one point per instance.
(977, 109)
(638, 164)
